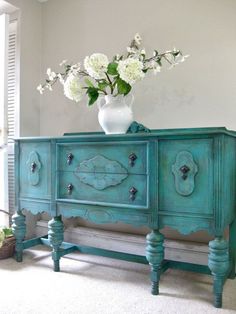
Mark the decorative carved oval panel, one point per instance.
(184, 170)
(33, 168)
(100, 172)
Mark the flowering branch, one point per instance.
(119, 75)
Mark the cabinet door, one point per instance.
(35, 170)
(186, 176)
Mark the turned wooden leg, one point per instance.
(232, 248)
(55, 236)
(19, 231)
(155, 256)
(218, 262)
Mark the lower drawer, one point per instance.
(130, 191)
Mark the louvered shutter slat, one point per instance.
(11, 115)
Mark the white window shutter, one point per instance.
(11, 110)
(4, 35)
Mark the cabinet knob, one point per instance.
(70, 156)
(33, 166)
(132, 192)
(69, 188)
(132, 158)
(184, 169)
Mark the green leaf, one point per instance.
(112, 68)
(123, 87)
(102, 85)
(8, 232)
(88, 82)
(92, 95)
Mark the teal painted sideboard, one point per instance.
(181, 178)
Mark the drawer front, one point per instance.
(35, 170)
(104, 189)
(186, 176)
(94, 157)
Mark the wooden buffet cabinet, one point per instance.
(181, 178)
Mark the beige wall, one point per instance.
(200, 92)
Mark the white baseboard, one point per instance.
(184, 251)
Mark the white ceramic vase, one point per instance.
(115, 113)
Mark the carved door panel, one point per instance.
(35, 170)
(186, 176)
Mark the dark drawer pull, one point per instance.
(69, 158)
(184, 169)
(132, 158)
(33, 167)
(69, 188)
(132, 192)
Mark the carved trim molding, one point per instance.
(184, 170)
(33, 168)
(100, 172)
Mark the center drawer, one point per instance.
(108, 157)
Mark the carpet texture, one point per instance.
(97, 285)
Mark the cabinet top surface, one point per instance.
(139, 135)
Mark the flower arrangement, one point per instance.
(99, 76)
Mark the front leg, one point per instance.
(56, 236)
(19, 231)
(218, 262)
(155, 256)
(232, 248)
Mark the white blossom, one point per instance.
(61, 79)
(182, 58)
(130, 70)
(40, 89)
(51, 74)
(96, 65)
(74, 69)
(137, 39)
(49, 86)
(153, 65)
(63, 62)
(131, 50)
(73, 88)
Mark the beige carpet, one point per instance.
(96, 285)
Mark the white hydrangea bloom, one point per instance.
(73, 89)
(96, 65)
(130, 70)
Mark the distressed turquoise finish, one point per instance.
(19, 230)
(218, 263)
(55, 237)
(155, 257)
(181, 178)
